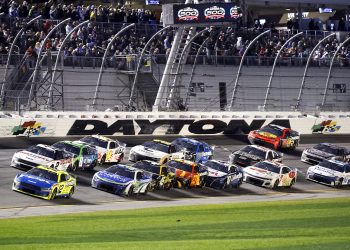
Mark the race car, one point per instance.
(123, 180)
(270, 174)
(156, 150)
(109, 151)
(44, 155)
(187, 173)
(192, 150)
(274, 135)
(323, 151)
(222, 175)
(84, 156)
(46, 183)
(330, 172)
(162, 178)
(251, 154)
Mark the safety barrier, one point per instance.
(47, 124)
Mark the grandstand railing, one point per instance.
(128, 62)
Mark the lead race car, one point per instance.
(123, 180)
(46, 183)
(251, 154)
(109, 151)
(325, 151)
(156, 150)
(222, 175)
(270, 174)
(330, 172)
(274, 135)
(42, 154)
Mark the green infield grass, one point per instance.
(307, 224)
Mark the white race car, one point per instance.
(43, 155)
(330, 172)
(156, 150)
(108, 150)
(270, 174)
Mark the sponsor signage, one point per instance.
(206, 13)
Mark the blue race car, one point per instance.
(46, 183)
(222, 175)
(123, 180)
(192, 150)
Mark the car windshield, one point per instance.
(333, 165)
(45, 174)
(67, 147)
(217, 166)
(117, 170)
(254, 151)
(268, 166)
(147, 167)
(157, 146)
(95, 141)
(180, 165)
(272, 130)
(327, 148)
(42, 151)
(188, 146)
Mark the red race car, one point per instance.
(277, 136)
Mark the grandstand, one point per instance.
(97, 58)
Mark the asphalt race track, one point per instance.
(86, 198)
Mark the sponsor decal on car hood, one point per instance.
(258, 172)
(324, 171)
(113, 177)
(249, 156)
(215, 173)
(316, 152)
(35, 180)
(26, 155)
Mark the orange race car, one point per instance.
(188, 174)
(277, 136)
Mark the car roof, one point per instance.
(52, 170)
(126, 167)
(191, 140)
(260, 148)
(185, 161)
(331, 145)
(162, 142)
(276, 164)
(102, 137)
(75, 143)
(219, 162)
(337, 162)
(48, 147)
(277, 126)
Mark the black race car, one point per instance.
(251, 154)
(222, 175)
(325, 151)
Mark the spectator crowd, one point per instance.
(221, 43)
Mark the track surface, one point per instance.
(86, 198)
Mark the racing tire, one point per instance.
(291, 183)
(103, 160)
(53, 195)
(275, 185)
(130, 192)
(71, 192)
(339, 183)
(74, 166)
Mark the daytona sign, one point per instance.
(168, 127)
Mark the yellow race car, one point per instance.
(46, 183)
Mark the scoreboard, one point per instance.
(208, 13)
